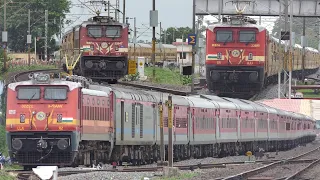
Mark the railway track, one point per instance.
(26, 174)
(164, 90)
(303, 163)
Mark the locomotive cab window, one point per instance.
(94, 31)
(55, 93)
(113, 31)
(224, 36)
(28, 93)
(247, 36)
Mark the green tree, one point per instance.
(312, 30)
(17, 22)
(177, 33)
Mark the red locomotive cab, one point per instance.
(42, 107)
(105, 40)
(236, 46)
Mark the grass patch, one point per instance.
(181, 176)
(167, 76)
(6, 176)
(309, 93)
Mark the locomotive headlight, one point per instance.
(119, 65)
(91, 47)
(116, 48)
(62, 144)
(16, 144)
(22, 118)
(89, 64)
(59, 118)
(250, 56)
(219, 55)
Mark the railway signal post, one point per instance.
(170, 124)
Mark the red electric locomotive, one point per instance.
(236, 56)
(99, 47)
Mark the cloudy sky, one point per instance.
(172, 13)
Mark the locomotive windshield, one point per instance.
(113, 31)
(247, 36)
(224, 36)
(28, 93)
(55, 93)
(94, 31)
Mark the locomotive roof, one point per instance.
(53, 82)
(213, 26)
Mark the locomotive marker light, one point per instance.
(170, 124)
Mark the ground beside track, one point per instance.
(198, 173)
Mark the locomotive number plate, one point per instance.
(20, 128)
(26, 106)
(255, 45)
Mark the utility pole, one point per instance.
(60, 21)
(109, 8)
(303, 47)
(154, 24)
(279, 53)
(46, 36)
(134, 39)
(285, 60)
(116, 10)
(5, 37)
(193, 47)
(291, 47)
(29, 37)
(170, 124)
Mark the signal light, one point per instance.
(22, 118)
(59, 118)
(250, 57)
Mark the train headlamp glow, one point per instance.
(116, 48)
(43, 78)
(22, 118)
(59, 118)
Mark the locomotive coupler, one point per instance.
(41, 144)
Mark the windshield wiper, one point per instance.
(32, 97)
(225, 42)
(92, 35)
(115, 35)
(249, 41)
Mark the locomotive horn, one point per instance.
(31, 75)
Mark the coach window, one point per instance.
(28, 93)
(247, 36)
(224, 36)
(55, 93)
